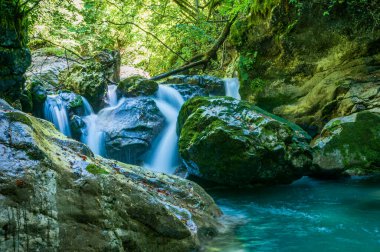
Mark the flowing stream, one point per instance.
(164, 154)
(308, 215)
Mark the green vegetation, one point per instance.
(96, 170)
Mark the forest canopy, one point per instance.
(154, 35)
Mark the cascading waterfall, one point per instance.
(55, 111)
(164, 155)
(94, 136)
(111, 95)
(231, 86)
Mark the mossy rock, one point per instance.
(287, 70)
(98, 198)
(87, 80)
(349, 144)
(232, 142)
(96, 170)
(137, 86)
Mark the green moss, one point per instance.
(19, 117)
(358, 142)
(87, 80)
(53, 51)
(96, 170)
(137, 86)
(263, 7)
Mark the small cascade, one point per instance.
(232, 87)
(55, 111)
(111, 95)
(164, 155)
(87, 107)
(92, 136)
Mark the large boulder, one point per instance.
(57, 196)
(88, 80)
(47, 64)
(136, 86)
(135, 124)
(232, 142)
(111, 63)
(349, 144)
(310, 61)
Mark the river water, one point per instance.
(308, 215)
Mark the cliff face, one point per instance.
(310, 61)
(14, 56)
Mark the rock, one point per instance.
(211, 85)
(57, 196)
(110, 61)
(136, 86)
(232, 142)
(189, 91)
(87, 80)
(14, 56)
(77, 126)
(135, 124)
(309, 79)
(349, 144)
(129, 71)
(46, 67)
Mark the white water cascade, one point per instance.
(231, 86)
(164, 155)
(111, 95)
(94, 136)
(55, 111)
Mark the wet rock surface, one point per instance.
(208, 85)
(135, 124)
(232, 142)
(56, 195)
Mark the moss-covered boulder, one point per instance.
(88, 80)
(232, 142)
(309, 61)
(57, 196)
(349, 144)
(136, 86)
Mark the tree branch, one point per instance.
(149, 33)
(74, 53)
(204, 58)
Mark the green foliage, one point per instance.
(257, 84)
(96, 170)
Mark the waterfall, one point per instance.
(231, 86)
(164, 155)
(94, 136)
(111, 95)
(87, 107)
(55, 111)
